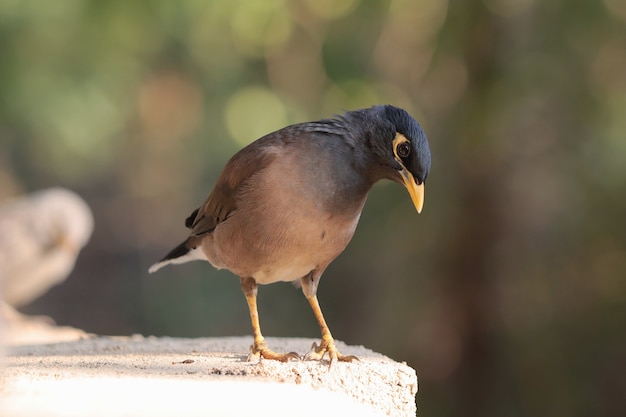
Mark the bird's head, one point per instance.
(403, 148)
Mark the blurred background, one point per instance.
(507, 294)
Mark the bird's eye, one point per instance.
(403, 149)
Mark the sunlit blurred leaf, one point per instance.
(253, 112)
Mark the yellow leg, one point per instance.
(327, 344)
(259, 349)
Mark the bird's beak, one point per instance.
(416, 191)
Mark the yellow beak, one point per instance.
(415, 191)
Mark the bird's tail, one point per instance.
(185, 252)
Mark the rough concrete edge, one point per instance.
(376, 381)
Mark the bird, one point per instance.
(41, 235)
(285, 206)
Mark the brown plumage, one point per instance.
(287, 205)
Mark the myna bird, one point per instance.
(286, 206)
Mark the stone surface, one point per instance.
(129, 376)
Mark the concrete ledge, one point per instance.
(131, 376)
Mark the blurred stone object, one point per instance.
(19, 329)
(41, 235)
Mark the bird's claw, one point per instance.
(318, 352)
(261, 351)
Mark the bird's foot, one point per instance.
(260, 351)
(328, 346)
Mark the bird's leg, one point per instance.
(327, 345)
(259, 349)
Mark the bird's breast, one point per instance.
(282, 229)
(293, 216)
